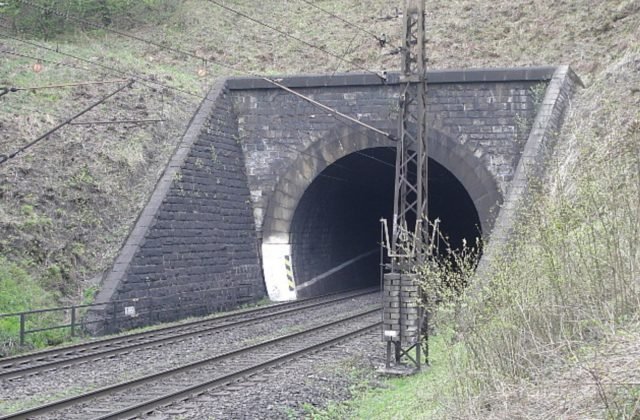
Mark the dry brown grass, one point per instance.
(554, 333)
(600, 382)
(86, 185)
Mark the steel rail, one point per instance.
(145, 407)
(146, 339)
(70, 401)
(42, 353)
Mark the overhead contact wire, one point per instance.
(42, 60)
(57, 51)
(271, 81)
(233, 68)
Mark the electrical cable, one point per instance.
(279, 143)
(5, 158)
(329, 164)
(335, 164)
(68, 16)
(65, 85)
(381, 41)
(271, 81)
(145, 81)
(170, 87)
(288, 35)
(23, 108)
(346, 52)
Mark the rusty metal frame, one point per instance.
(406, 246)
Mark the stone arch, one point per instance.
(469, 166)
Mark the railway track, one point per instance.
(142, 394)
(38, 362)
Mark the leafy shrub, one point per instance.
(50, 18)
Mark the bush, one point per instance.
(571, 276)
(51, 17)
(570, 279)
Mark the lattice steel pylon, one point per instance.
(408, 244)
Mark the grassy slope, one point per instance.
(67, 206)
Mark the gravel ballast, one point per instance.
(35, 389)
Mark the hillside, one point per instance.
(68, 203)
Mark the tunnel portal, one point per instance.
(335, 230)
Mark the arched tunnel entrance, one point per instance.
(335, 229)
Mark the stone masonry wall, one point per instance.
(488, 112)
(539, 146)
(194, 247)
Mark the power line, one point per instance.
(271, 81)
(124, 73)
(181, 51)
(377, 160)
(108, 68)
(145, 81)
(106, 122)
(327, 108)
(276, 83)
(293, 148)
(381, 40)
(40, 59)
(358, 152)
(4, 158)
(344, 116)
(329, 164)
(288, 35)
(189, 54)
(5, 90)
(345, 53)
(64, 85)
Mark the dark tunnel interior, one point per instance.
(335, 231)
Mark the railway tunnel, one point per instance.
(321, 228)
(335, 229)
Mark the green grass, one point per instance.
(20, 292)
(574, 256)
(413, 397)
